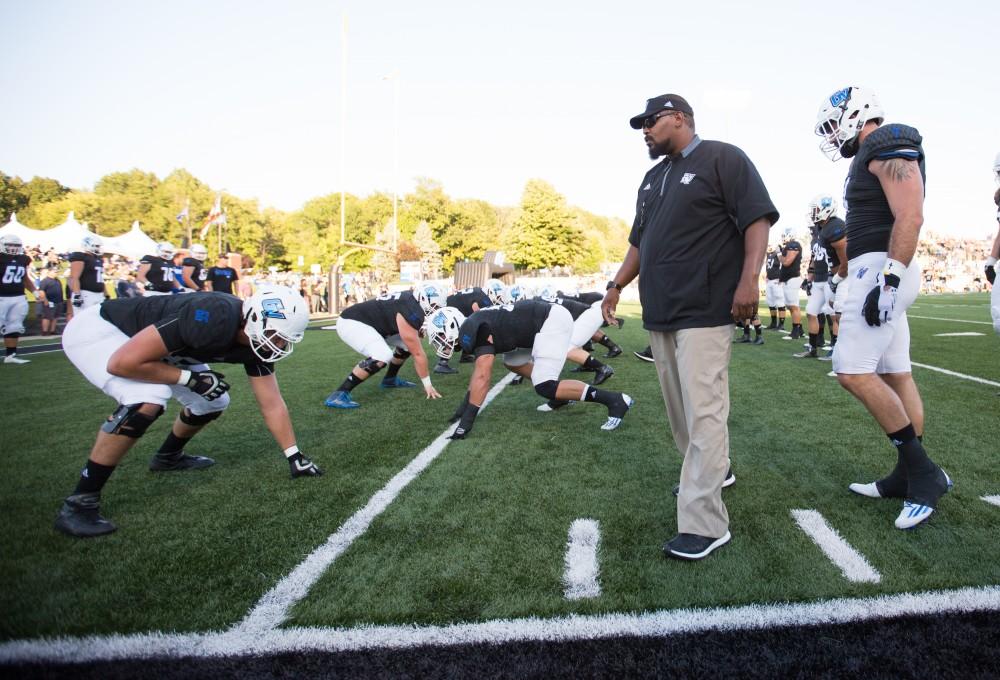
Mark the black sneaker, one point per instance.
(645, 355)
(727, 482)
(692, 546)
(613, 352)
(445, 369)
(602, 374)
(80, 516)
(170, 462)
(588, 346)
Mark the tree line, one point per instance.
(543, 231)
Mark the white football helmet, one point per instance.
(93, 244)
(996, 168)
(495, 291)
(442, 329)
(787, 235)
(548, 294)
(821, 208)
(570, 292)
(11, 244)
(165, 249)
(429, 297)
(514, 293)
(274, 318)
(841, 117)
(199, 252)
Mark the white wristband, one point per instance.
(185, 376)
(990, 261)
(893, 267)
(291, 451)
(837, 278)
(426, 381)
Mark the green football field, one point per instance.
(479, 531)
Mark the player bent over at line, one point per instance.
(386, 330)
(142, 351)
(534, 337)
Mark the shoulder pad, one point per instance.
(190, 262)
(892, 141)
(835, 230)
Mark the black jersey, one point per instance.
(463, 299)
(793, 270)
(819, 266)
(772, 266)
(380, 313)
(197, 328)
(160, 274)
(222, 279)
(512, 326)
(869, 218)
(833, 231)
(13, 269)
(199, 274)
(92, 276)
(586, 298)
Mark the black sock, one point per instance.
(393, 369)
(894, 485)
(757, 330)
(11, 350)
(592, 364)
(607, 342)
(93, 477)
(600, 396)
(173, 444)
(349, 383)
(833, 339)
(814, 341)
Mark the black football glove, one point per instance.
(301, 466)
(209, 384)
(76, 300)
(833, 286)
(149, 286)
(991, 273)
(880, 301)
(465, 424)
(460, 410)
(807, 286)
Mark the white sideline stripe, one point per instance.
(851, 563)
(967, 334)
(272, 609)
(580, 576)
(661, 623)
(939, 318)
(957, 375)
(992, 500)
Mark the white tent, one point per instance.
(133, 243)
(64, 238)
(27, 234)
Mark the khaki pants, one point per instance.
(693, 367)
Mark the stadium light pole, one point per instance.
(394, 77)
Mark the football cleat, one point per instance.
(517, 380)
(602, 374)
(613, 352)
(917, 510)
(809, 353)
(169, 462)
(870, 489)
(617, 411)
(445, 369)
(341, 399)
(553, 404)
(80, 516)
(395, 381)
(14, 359)
(745, 338)
(759, 340)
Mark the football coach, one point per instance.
(697, 245)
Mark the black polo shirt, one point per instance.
(222, 279)
(691, 213)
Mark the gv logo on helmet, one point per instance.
(838, 98)
(273, 308)
(439, 320)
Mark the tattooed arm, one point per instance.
(904, 190)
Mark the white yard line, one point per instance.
(272, 609)
(992, 500)
(966, 334)
(939, 318)
(957, 375)
(656, 624)
(580, 575)
(851, 563)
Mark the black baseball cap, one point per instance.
(664, 102)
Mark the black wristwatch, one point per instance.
(613, 284)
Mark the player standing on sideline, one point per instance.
(884, 194)
(385, 331)
(86, 274)
(534, 337)
(468, 301)
(143, 351)
(773, 291)
(221, 277)
(194, 272)
(821, 209)
(791, 279)
(833, 239)
(156, 272)
(15, 270)
(990, 269)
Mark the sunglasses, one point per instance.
(650, 121)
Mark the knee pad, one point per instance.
(371, 366)
(129, 421)
(400, 353)
(547, 389)
(194, 420)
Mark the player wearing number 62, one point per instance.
(142, 351)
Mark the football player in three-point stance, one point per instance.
(386, 331)
(144, 350)
(884, 194)
(468, 301)
(587, 319)
(156, 272)
(86, 274)
(533, 337)
(16, 277)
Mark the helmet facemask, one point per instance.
(12, 245)
(442, 331)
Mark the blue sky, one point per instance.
(247, 95)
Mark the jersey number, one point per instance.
(389, 296)
(13, 274)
